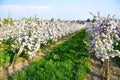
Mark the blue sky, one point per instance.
(63, 9)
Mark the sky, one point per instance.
(62, 9)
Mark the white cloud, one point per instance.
(23, 10)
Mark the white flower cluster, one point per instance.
(103, 36)
(31, 33)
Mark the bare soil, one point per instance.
(98, 73)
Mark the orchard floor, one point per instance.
(97, 73)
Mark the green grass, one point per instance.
(117, 59)
(4, 58)
(68, 61)
(6, 53)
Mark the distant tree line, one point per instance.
(93, 20)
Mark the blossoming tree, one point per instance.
(29, 34)
(103, 35)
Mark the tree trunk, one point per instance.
(16, 57)
(105, 67)
(108, 69)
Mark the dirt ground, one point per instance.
(97, 72)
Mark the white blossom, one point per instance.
(31, 33)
